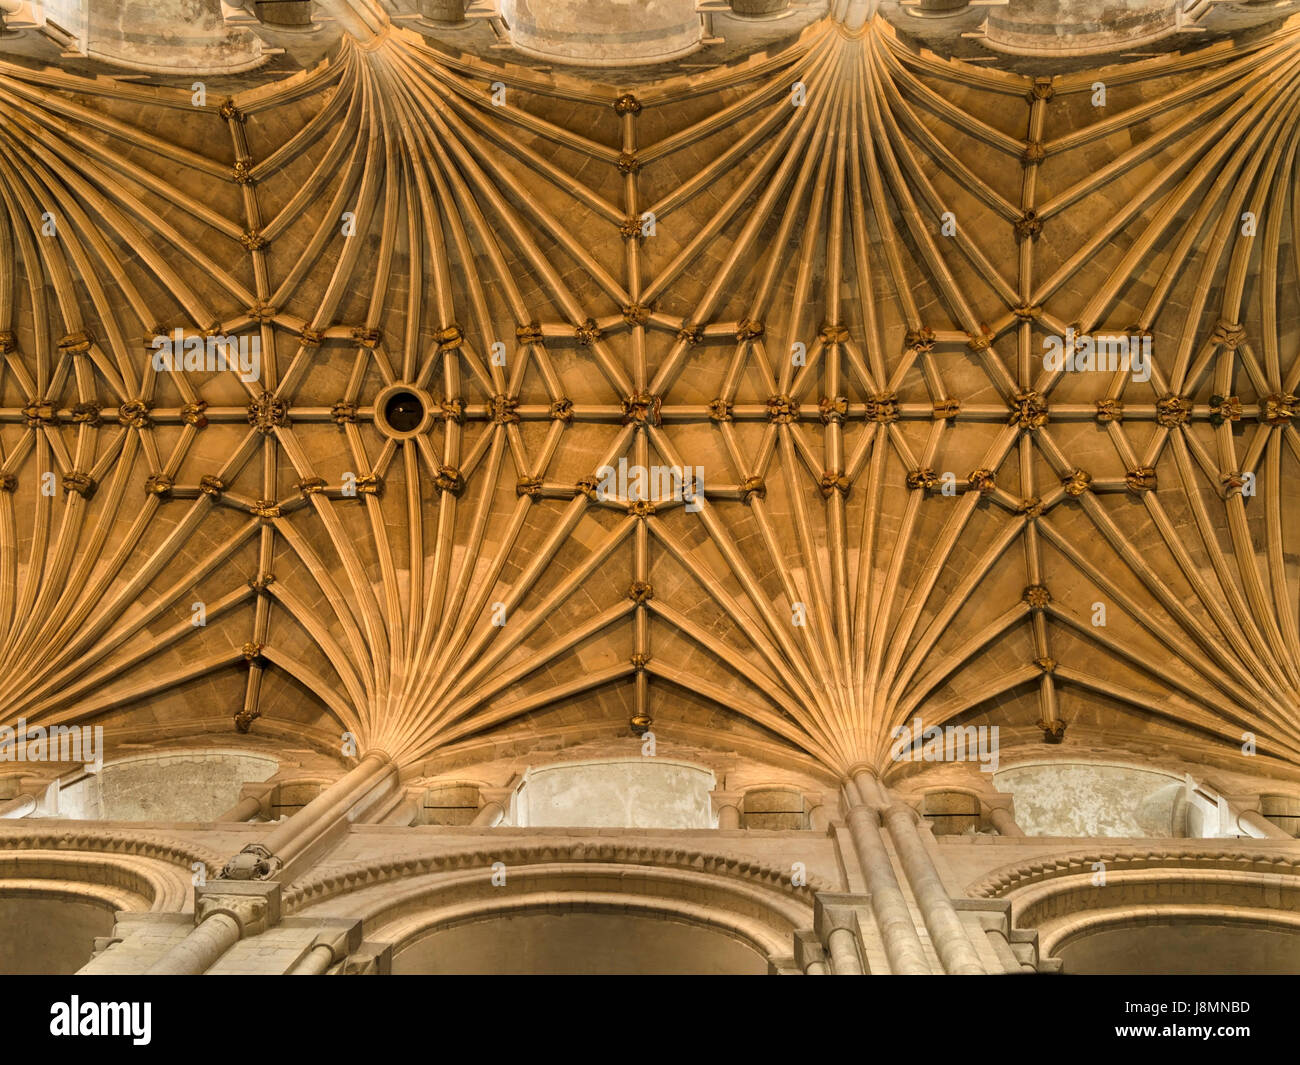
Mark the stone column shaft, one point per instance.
(288, 840)
(1001, 819)
(857, 12)
(496, 805)
(947, 933)
(224, 913)
(727, 805)
(245, 810)
(489, 815)
(316, 962)
(197, 952)
(1262, 826)
(359, 18)
(843, 946)
(405, 813)
(19, 806)
(902, 944)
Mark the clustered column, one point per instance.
(902, 943)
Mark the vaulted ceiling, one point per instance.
(837, 311)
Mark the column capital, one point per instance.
(860, 767)
(998, 800)
(900, 808)
(495, 805)
(808, 950)
(497, 795)
(1250, 803)
(263, 791)
(254, 905)
(727, 807)
(819, 810)
(832, 910)
(339, 938)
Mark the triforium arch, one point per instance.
(405, 904)
(1152, 910)
(877, 404)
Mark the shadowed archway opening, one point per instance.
(47, 933)
(590, 943)
(1183, 946)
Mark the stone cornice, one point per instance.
(1002, 882)
(159, 848)
(364, 874)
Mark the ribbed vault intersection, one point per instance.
(822, 276)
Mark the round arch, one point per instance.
(737, 906)
(581, 933)
(1178, 910)
(59, 892)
